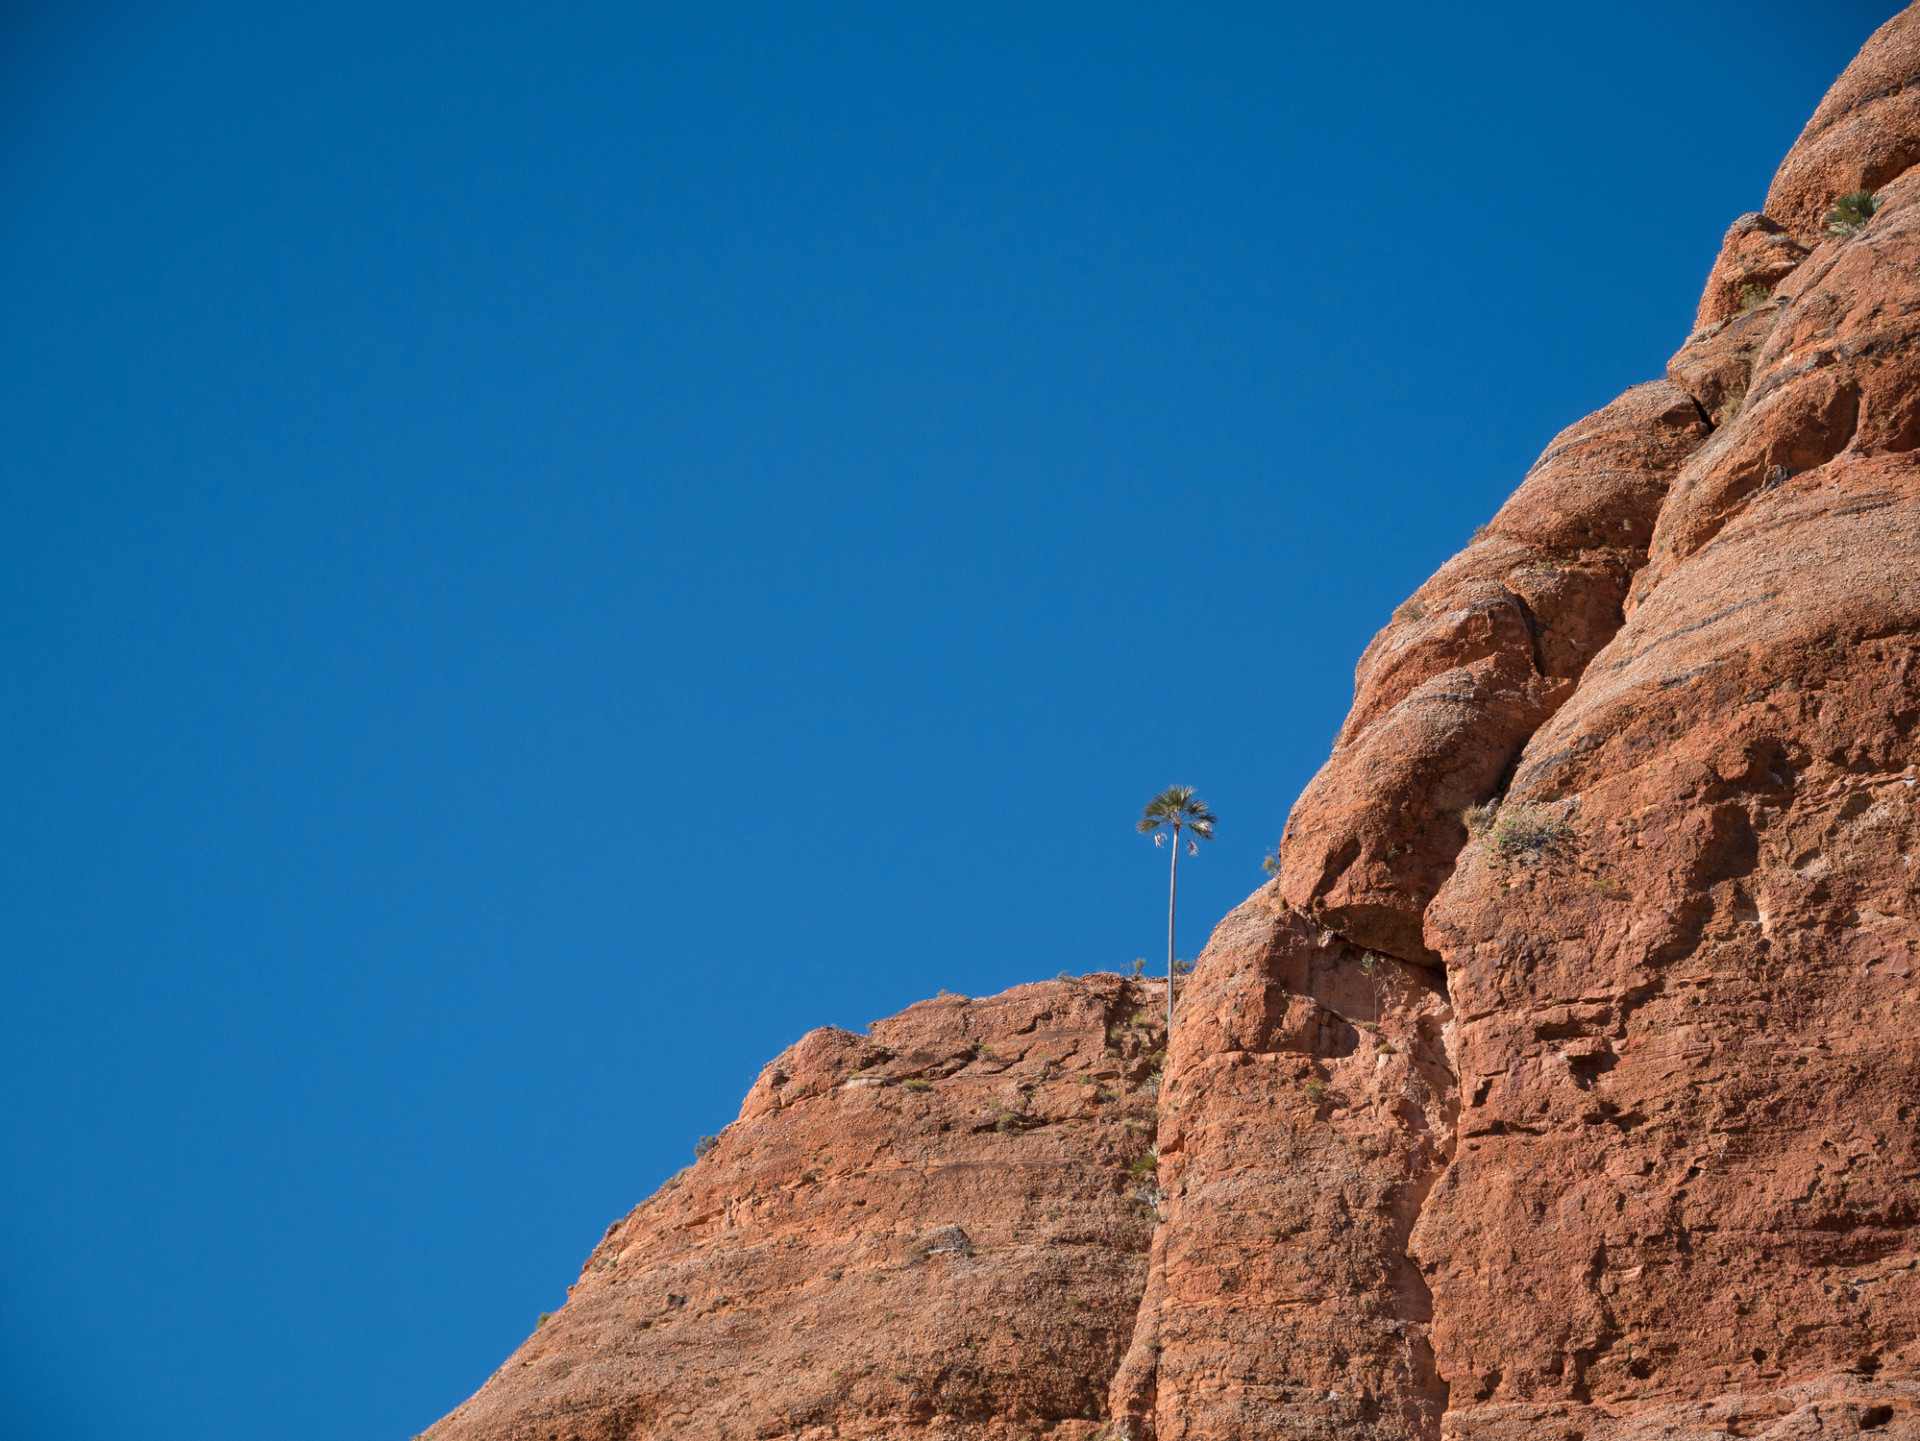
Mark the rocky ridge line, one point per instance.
(1596, 1124)
(1673, 1191)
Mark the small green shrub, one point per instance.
(979, 1049)
(1386, 1048)
(1182, 968)
(1478, 818)
(1525, 830)
(1270, 862)
(916, 1084)
(1315, 1089)
(703, 1147)
(834, 1273)
(1138, 1021)
(1481, 532)
(542, 1319)
(1851, 213)
(1752, 297)
(1144, 1165)
(1411, 610)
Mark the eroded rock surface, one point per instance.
(1474, 663)
(1596, 1124)
(930, 1228)
(1673, 1191)
(1865, 133)
(1685, 1187)
(1306, 1113)
(1690, 1078)
(1757, 254)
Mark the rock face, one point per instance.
(1307, 1113)
(1473, 664)
(1565, 1083)
(1684, 1037)
(940, 1225)
(1865, 133)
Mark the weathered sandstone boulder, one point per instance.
(1473, 664)
(1864, 133)
(1756, 255)
(1830, 366)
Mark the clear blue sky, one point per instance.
(549, 550)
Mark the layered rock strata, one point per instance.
(1563, 1085)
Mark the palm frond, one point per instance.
(1167, 807)
(1179, 807)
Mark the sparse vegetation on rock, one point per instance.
(1526, 830)
(1851, 213)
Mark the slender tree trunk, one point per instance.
(1173, 882)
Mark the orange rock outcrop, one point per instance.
(942, 1225)
(1564, 1084)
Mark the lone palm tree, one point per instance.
(1176, 808)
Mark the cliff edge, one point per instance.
(1564, 1083)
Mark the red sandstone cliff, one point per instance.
(945, 1222)
(1615, 1135)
